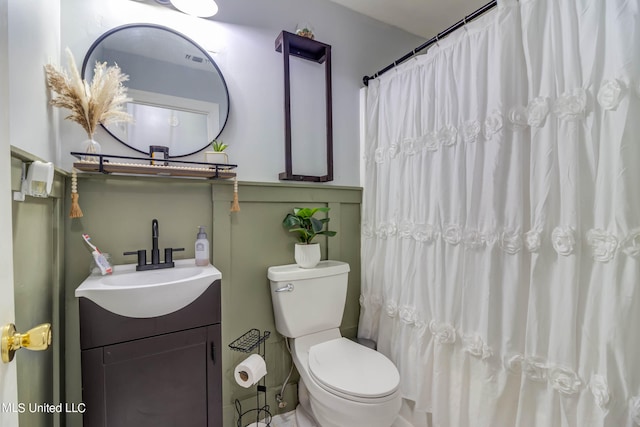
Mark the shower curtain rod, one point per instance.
(433, 40)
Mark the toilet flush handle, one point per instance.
(288, 288)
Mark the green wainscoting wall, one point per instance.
(117, 215)
(38, 287)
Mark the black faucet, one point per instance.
(155, 253)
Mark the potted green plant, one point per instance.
(302, 222)
(217, 155)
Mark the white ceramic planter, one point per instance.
(216, 157)
(307, 255)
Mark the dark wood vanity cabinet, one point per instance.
(162, 371)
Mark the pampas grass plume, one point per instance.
(101, 101)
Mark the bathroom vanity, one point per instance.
(152, 371)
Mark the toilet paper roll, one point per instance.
(250, 370)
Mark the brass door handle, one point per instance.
(38, 338)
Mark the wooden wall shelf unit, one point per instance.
(104, 163)
(293, 45)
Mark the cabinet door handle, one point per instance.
(213, 352)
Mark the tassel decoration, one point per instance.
(235, 206)
(75, 212)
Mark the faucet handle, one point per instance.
(168, 254)
(142, 256)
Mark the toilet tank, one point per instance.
(308, 300)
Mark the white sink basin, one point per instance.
(152, 293)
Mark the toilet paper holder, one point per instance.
(247, 343)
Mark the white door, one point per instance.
(8, 376)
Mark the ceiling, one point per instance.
(424, 18)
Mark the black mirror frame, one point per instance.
(170, 30)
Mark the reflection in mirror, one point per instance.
(179, 96)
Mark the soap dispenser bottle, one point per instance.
(202, 248)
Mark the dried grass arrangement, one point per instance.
(101, 101)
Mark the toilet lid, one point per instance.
(353, 369)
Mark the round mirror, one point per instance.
(179, 97)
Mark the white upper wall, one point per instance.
(34, 40)
(242, 36)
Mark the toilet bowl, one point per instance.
(348, 384)
(342, 383)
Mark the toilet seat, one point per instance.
(352, 371)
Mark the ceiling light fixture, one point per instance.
(199, 8)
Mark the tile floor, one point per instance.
(284, 420)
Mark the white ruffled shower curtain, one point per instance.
(501, 218)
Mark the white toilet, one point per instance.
(342, 383)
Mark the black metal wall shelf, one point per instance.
(110, 163)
